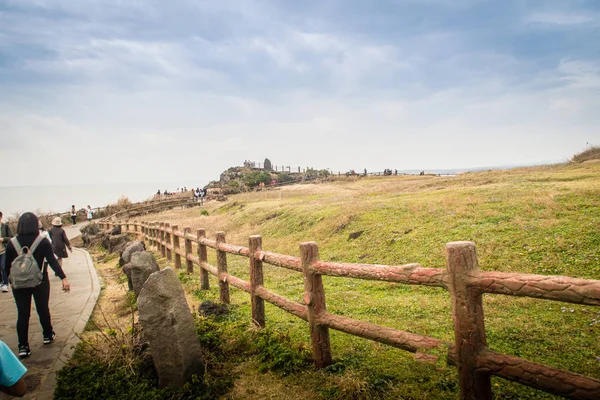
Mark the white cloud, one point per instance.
(564, 18)
(191, 89)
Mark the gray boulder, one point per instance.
(132, 247)
(142, 265)
(90, 229)
(169, 327)
(111, 243)
(93, 240)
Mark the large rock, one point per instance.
(111, 242)
(93, 240)
(132, 247)
(142, 265)
(169, 327)
(120, 248)
(90, 229)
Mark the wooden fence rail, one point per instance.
(476, 363)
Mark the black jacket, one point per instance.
(60, 242)
(6, 234)
(43, 251)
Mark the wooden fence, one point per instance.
(151, 206)
(476, 363)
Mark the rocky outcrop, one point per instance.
(169, 327)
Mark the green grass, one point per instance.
(543, 220)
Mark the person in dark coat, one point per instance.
(5, 236)
(27, 232)
(60, 241)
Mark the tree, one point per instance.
(268, 166)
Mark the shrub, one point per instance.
(123, 202)
(592, 153)
(256, 177)
(283, 178)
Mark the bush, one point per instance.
(123, 202)
(256, 177)
(284, 178)
(593, 153)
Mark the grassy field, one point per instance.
(542, 220)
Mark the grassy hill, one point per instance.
(542, 220)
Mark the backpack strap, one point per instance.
(17, 245)
(36, 243)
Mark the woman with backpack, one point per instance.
(60, 241)
(30, 249)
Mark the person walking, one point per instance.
(73, 215)
(28, 238)
(5, 236)
(60, 241)
(90, 213)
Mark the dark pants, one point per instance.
(74, 219)
(41, 296)
(3, 267)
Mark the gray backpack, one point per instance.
(24, 270)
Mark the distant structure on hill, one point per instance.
(267, 165)
(249, 164)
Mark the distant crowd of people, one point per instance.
(33, 250)
(198, 194)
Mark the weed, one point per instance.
(277, 353)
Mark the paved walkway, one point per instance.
(70, 313)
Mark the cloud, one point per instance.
(139, 91)
(564, 18)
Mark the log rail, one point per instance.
(476, 363)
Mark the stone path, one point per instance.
(70, 313)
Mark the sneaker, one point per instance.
(48, 340)
(4, 288)
(24, 351)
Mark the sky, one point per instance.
(110, 91)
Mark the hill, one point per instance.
(541, 220)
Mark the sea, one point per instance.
(57, 199)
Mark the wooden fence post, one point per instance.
(222, 267)
(467, 313)
(203, 258)
(314, 297)
(154, 234)
(150, 229)
(189, 265)
(168, 243)
(176, 247)
(256, 280)
(163, 249)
